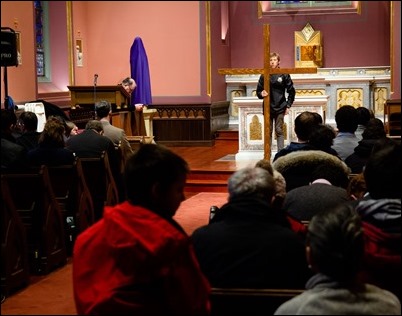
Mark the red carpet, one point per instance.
(194, 212)
(53, 294)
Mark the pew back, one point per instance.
(100, 182)
(33, 197)
(14, 247)
(75, 201)
(250, 302)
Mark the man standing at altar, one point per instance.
(280, 84)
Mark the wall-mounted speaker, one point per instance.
(9, 55)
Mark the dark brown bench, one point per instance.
(74, 198)
(250, 302)
(33, 197)
(101, 183)
(14, 247)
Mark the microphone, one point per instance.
(95, 79)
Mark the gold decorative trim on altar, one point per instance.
(308, 48)
(380, 98)
(353, 97)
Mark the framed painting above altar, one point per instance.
(286, 8)
(308, 48)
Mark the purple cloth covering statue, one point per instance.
(140, 73)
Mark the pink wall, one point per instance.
(174, 35)
(350, 40)
(21, 79)
(174, 66)
(220, 50)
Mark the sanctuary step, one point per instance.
(229, 134)
(211, 167)
(208, 180)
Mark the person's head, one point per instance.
(53, 134)
(102, 109)
(155, 178)
(28, 122)
(129, 84)
(265, 164)
(382, 172)
(252, 182)
(363, 115)
(71, 128)
(322, 137)
(318, 117)
(274, 60)
(305, 123)
(335, 244)
(334, 176)
(8, 120)
(374, 129)
(346, 119)
(94, 125)
(280, 182)
(357, 187)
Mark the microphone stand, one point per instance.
(95, 79)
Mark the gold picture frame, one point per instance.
(308, 48)
(79, 54)
(286, 8)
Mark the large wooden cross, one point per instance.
(266, 71)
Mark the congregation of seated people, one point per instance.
(350, 224)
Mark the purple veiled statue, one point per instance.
(140, 73)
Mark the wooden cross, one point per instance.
(266, 71)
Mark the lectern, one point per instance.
(85, 97)
(88, 95)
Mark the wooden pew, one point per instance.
(14, 247)
(74, 198)
(100, 182)
(250, 302)
(33, 197)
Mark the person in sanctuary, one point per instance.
(91, 144)
(374, 130)
(380, 210)
(247, 244)
(327, 188)
(13, 155)
(346, 118)
(280, 84)
(137, 117)
(304, 125)
(28, 124)
(280, 195)
(137, 259)
(51, 148)
(117, 135)
(364, 115)
(322, 138)
(334, 250)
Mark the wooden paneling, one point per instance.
(189, 124)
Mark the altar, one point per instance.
(251, 123)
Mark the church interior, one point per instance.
(200, 66)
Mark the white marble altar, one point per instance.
(251, 123)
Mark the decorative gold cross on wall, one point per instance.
(266, 71)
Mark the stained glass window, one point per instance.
(39, 27)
